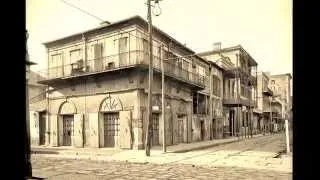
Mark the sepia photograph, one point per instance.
(159, 89)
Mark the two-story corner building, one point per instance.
(280, 84)
(208, 119)
(239, 82)
(98, 83)
(264, 97)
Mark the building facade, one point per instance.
(97, 84)
(239, 88)
(264, 105)
(280, 84)
(208, 118)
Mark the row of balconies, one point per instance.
(121, 61)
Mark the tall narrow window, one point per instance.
(216, 85)
(185, 67)
(76, 62)
(55, 66)
(98, 60)
(123, 51)
(145, 51)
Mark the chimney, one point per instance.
(104, 23)
(217, 46)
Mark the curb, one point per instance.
(203, 147)
(108, 154)
(211, 145)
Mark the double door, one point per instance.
(111, 128)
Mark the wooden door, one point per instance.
(111, 128)
(202, 130)
(67, 129)
(213, 135)
(155, 129)
(180, 130)
(42, 128)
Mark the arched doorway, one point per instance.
(67, 111)
(110, 121)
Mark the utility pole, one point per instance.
(150, 81)
(149, 122)
(164, 147)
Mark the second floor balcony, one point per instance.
(117, 62)
(243, 74)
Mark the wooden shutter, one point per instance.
(98, 60)
(78, 130)
(54, 129)
(125, 129)
(123, 51)
(94, 129)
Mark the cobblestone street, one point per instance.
(248, 159)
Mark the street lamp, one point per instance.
(157, 13)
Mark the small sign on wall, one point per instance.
(155, 108)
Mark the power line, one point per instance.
(84, 11)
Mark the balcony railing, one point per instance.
(121, 61)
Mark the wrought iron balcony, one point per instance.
(239, 72)
(240, 101)
(117, 62)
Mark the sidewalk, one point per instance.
(179, 148)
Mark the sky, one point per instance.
(262, 27)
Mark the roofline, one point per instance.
(286, 74)
(136, 17)
(228, 49)
(30, 62)
(90, 30)
(215, 65)
(262, 73)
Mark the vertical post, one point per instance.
(85, 52)
(287, 135)
(238, 95)
(210, 100)
(28, 172)
(270, 124)
(47, 116)
(150, 81)
(164, 147)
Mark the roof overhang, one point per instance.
(29, 63)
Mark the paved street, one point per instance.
(248, 159)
